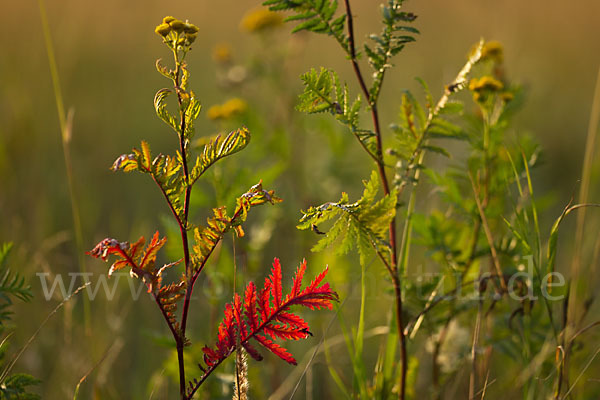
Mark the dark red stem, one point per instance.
(183, 226)
(384, 181)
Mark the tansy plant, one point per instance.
(483, 224)
(258, 317)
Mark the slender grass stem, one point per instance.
(590, 151)
(66, 126)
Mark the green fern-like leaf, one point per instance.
(362, 224)
(316, 16)
(409, 131)
(16, 387)
(323, 92)
(390, 42)
(12, 285)
(318, 95)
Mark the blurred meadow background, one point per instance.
(106, 52)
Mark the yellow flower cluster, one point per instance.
(260, 20)
(227, 110)
(484, 86)
(494, 51)
(184, 32)
(221, 53)
(485, 83)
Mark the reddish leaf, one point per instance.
(137, 247)
(264, 300)
(238, 314)
(258, 316)
(276, 349)
(150, 255)
(210, 356)
(117, 266)
(144, 268)
(280, 331)
(276, 283)
(297, 281)
(250, 306)
(252, 351)
(292, 319)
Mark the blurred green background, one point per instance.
(106, 52)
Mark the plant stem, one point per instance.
(386, 189)
(180, 336)
(473, 374)
(66, 131)
(577, 285)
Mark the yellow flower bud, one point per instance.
(163, 29)
(167, 20)
(485, 83)
(177, 25)
(190, 28)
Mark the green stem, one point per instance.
(65, 128)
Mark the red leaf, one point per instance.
(276, 349)
(137, 247)
(226, 337)
(117, 265)
(276, 283)
(292, 319)
(130, 255)
(297, 282)
(264, 300)
(316, 281)
(150, 255)
(252, 351)
(144, 268)
(108, 246)
(279, 331)
(257, 316)
(237, 311)
(210, 356)
(250, 306)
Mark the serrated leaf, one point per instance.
(191, 114)
(436, 149)
(317, 17)
(146, 155)
(388, 43)
(142, 265)
(160, 107)
(362, 224)
(268, 313)
(207, 238)
(164, 70)
(217, 149)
